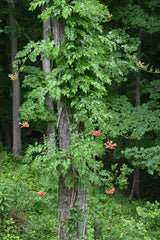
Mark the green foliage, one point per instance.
(9, 230)
(93, 60)
(13, 28)
(153, 5)
(81, 160)
(147, 227)
(115, 217)
(140, 127)
(46, 161)
(118, 176)
(76, 218)
(34, 217)
(150, 213)
(153, 88)
(122, 179)
(34, 106)
(88, 62)
(42, 162)
(138, 16)
(8, 162)
(145, 158)
(133, 122)
(92, 10)
(134, 230)
(22, 211)
(31, 51)
(5, 198)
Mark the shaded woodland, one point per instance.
(80, 119)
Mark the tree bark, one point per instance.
(17, 142)
(67, 197)
(65, 194)
(47, 68)
(82, 198)
(136, 183)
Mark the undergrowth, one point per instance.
(25, 215)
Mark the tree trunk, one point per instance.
(17, 143)
(82, 199)
(67, 197)
(47, 68)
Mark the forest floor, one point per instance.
(25, 215)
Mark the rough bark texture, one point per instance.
(46, 34)
(47, 68)
(67, 197)
(82, 198)
(50, 128)
(65, 194)
(64, 202)
(17, 143)
(136, 183)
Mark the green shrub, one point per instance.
(9, 230)
(150, 215)
(6, 198)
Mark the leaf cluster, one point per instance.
(86, 60)
(133, 121)
(134, 15)
(145, 158)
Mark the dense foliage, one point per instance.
(106, 46)
(25, 215)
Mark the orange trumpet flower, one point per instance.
(23, 124)
(110, 145)
(12, 77)
(41, 193)
(140, 64)
(111, 191)
(95, 133)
